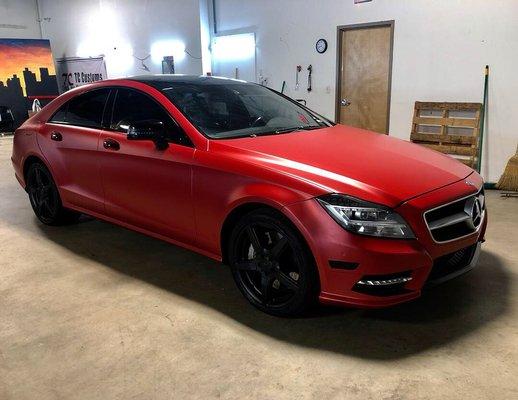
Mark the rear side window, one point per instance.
(84, 110)
(61, 115)
(132, 106)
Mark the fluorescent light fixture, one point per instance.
(103, 35)
(234, 47)
(160, 49)
(88, 48)
(120, 59)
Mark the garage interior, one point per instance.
(95, 311)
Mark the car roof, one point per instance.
(164, 79)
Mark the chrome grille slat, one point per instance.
(446, 221)
(453, 221)
(482, 200)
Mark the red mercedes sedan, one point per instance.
(302, 209)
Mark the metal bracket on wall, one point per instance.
(310, 71)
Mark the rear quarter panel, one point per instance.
(25, 144)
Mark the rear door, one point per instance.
(69, 141)
(144, 186)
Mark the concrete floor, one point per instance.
(94, 311)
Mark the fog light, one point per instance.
(384, 282)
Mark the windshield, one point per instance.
(234, 109)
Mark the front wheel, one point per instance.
(44, 197)
(272, 265)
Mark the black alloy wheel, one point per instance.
(44, 197)
(271, 264)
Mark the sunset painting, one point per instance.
(18, 54)
(26, 73)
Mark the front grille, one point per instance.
(451, 264)
(457, 219)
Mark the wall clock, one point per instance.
(321, 46)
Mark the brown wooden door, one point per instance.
(365, 58)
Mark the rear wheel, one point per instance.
(271, 264)
(44, 197)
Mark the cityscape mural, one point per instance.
(26, 73)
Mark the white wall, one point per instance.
(440, 50)
(122, 29)
(440, 47)
(19, 19)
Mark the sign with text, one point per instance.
(74, 72)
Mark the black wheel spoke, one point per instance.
(44, 197)
(266, 264)
(39, 205)
(46, 204)
(252, 235)
(265, 287)
(279, 247)
(248, 265)
(287, 281)
(37, 175)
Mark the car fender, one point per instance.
(270, 194)
(255, 195)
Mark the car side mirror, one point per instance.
(153, 130)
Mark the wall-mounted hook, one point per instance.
(310, 71)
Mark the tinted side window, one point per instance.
(84, 110)
(61, 115)
(132, 106)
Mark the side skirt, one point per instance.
(114, 221)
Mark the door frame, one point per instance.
(343, 28)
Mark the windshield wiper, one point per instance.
(286, 130)
(293, 129)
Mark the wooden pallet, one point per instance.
(451, 128)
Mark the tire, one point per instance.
(45, 199)
(272, 265)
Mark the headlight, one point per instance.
(365, 218)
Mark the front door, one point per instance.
(144, 186)
(364, 73)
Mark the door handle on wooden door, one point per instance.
(111, 144)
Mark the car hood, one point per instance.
(354, 161)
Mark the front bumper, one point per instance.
(344, 259)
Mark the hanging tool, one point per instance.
(299, 68)
(310, 71)
(482, 118)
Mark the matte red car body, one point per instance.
(184, 194)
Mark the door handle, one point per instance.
(56, 136)
(111, 144)
(345, 102)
